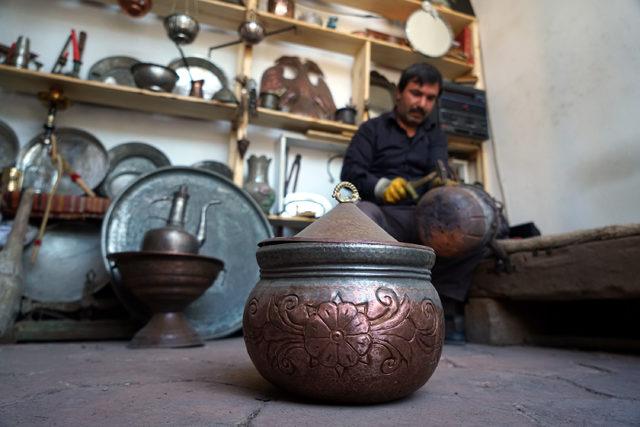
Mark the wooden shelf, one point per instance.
(99, 93)
(308, 34)
(297, 123)
(212, 12)
(390, 55)
(400, 10)
(130, 98)
(462, 145)
(229, 16)
(399, 57)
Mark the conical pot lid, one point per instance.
(344, 223)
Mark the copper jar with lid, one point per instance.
(343, 312)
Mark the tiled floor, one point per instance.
(106, 384)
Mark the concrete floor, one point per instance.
(106, 384)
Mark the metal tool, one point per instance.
(77, 46)
(62, 57)
(78, 52)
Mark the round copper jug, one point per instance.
(456, 220)
(343, 312)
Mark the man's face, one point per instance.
(415, 102)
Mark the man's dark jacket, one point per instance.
(381, 149)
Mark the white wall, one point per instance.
(564, 98)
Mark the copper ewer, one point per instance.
(344, 312)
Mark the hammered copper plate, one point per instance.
(9, 146)
(234, 229)
(69, 263)
(214, 166)
(129, 161)
(114, 70)
(84, 152)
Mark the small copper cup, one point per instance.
(196, 88)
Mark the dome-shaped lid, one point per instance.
(344, 223)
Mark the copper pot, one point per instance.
(344, 312)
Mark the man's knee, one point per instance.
(373, 211)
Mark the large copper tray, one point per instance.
(233, 231)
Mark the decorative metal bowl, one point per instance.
(167, 283)
(157, 78)
(181, 28)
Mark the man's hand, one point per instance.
(395, 191)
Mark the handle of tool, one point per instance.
(81, 43)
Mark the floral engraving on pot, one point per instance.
(336, 334)
(385, 333)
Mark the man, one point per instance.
(400, 146)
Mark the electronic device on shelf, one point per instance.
(462, 110)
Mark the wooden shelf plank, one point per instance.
(399, 57)
(229, 16)
(383, 53)
(99, 93)
(401, 9)
(212, 12)
(297, 123)
(461, 145)
(309, 34)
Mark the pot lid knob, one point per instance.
(337, 193)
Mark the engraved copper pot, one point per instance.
(343, 312)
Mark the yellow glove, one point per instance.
(395, 191)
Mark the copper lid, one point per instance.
(344, 223)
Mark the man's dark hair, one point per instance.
(421, 73)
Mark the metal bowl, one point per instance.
(157, 78)
(181, 28)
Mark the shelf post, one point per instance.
(240, 126)
(360, 79)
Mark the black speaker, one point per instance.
(462, 110)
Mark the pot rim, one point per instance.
(318, 240)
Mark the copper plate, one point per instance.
(9, 146)
(68, 264)
(83, 151)
(114, 70)
(129, 161)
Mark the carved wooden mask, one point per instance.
(302, 92)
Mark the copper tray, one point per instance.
(113, 70)
(129, 161)
(84, 152)
(69, 264)
(9, 146)
(233, 231)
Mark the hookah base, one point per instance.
(166, 330)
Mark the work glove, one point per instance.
(395, 191)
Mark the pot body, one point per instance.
(456, 220)
(345, 322)
(346, 115)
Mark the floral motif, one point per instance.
(339, 335)
(336, 334)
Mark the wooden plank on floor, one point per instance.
(73, 330)
(607, 269)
